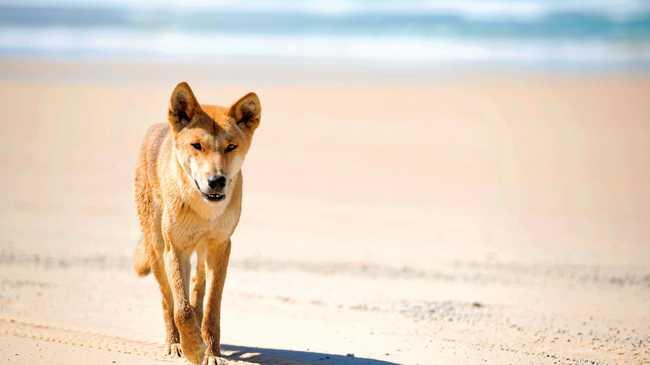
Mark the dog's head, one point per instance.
(211, 144)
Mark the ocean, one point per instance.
(568, 34)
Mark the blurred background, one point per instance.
(426, 173)
(554, 34)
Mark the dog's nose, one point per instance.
(217, 181)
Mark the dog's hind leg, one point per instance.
(153, 247)
(141, 263)
(172, 339)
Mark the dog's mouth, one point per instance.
(214, 197)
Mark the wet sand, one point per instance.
(452, 218)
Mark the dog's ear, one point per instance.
(182, 107)
(247, 112)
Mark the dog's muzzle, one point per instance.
(213, 197)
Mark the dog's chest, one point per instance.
(191, 233)
(193, 229)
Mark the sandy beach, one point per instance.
(444, 218)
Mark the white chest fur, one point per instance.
(198, 220)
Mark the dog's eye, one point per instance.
(231, 147)
(196, 146)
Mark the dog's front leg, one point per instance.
(216, 264)
(198, 284)
(177, 265)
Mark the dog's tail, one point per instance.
(141, 260)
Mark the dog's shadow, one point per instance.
(258, 355)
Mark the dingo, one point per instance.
(188, 191)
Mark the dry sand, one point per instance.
(442, 220)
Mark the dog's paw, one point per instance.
(193, 351)
(213, 360)
(174, 350)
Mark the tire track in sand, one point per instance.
(97, 341)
